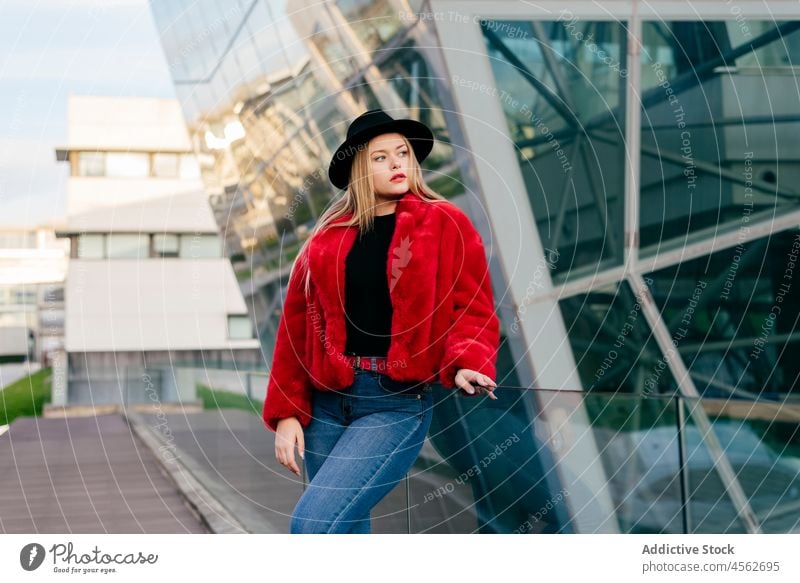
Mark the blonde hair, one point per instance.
(359, 199)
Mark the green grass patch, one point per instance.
(213, 399)
(25, 397)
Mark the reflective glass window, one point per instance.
(91, 164)
(374, 22)
(561, 85)
(127, 245)
(200, 246)
(91, 246)
(165, 245)
(733, 316)
(240, 327)
(719, 123)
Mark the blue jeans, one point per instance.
(360, 443)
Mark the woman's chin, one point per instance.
(398, 189)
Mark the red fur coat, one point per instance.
(443, 316)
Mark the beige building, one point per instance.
(148, 287)
(33, 264)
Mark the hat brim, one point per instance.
(418, 134)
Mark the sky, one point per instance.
(49, 50)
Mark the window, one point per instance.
(715, 140)
(91, 164)
(733, 318)
(165, 245)
(51, 320)
(25, 296)
(128, 246)
(165, 165)
(91, 247)
(53, 295)
(375, 22)
(200, 246)
(127, 165)
(239, 327)
(565, 110)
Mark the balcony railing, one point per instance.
(566, 461)
(570, 461)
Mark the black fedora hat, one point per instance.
(365, 127)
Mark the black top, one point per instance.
(368, 308)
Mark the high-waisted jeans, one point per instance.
(359, 445)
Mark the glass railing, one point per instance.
(569, 461)
(761, 441)
(560, 461)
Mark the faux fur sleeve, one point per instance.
(474, 336)
(289, 387)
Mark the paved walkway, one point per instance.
(85, 475)
(232, 454)
(132, 472)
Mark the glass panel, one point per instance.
(375, 22)
(489, 466)
(333, 52)
(91, 164)
(613, 346)
(128, 246)
(165, 245)
(760, 440)
(333, 128)
(53, 295)
(483, 468)
(91, 247)
(200, 246)
(718, 118)
(362, 93)
(165, 165)
(239, 327)
(410, 77)
(732, 316)
(564, 101)
(127, 165)
(637, 440)
(51, 321)
(25, 296)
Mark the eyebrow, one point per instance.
(384, 151)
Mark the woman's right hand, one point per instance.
(288, 433)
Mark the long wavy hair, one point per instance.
(359, 199)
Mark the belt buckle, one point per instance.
(358, 362)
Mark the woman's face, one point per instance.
(389, 158)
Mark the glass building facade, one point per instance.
(633, 170)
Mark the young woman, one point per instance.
(390, 293)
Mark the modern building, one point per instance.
(33, 264)
(148, 287)
(632, 167)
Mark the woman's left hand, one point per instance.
(484, 385)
